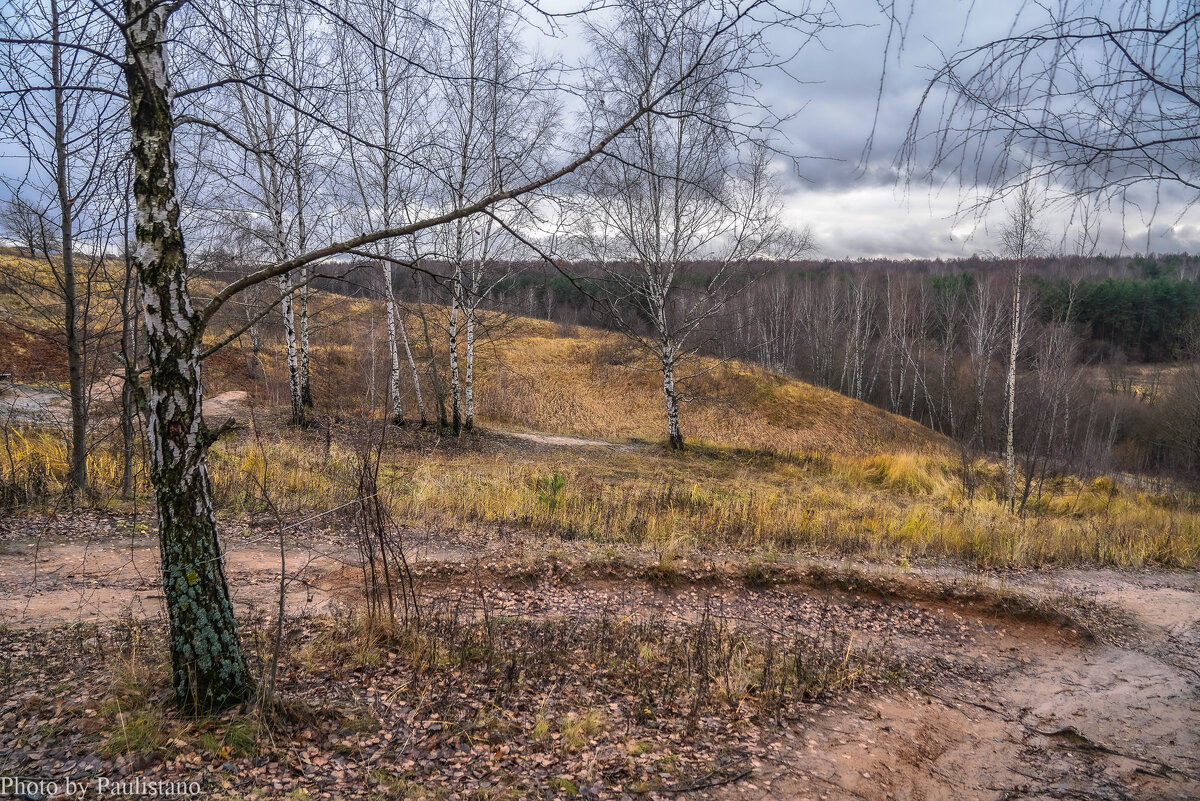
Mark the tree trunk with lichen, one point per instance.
(208, 666)
(71, 325)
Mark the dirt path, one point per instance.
(563, 441)
(43, 405)
(31, 404)
(1007, 709)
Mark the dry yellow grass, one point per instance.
(589, 383)
(773, 463)
(594, 384)
(903, 506)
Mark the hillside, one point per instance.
(533, 375)
(772, 463)
(595, 384)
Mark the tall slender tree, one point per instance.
(62, 109)
(389, 100)
(1023, 240)
(209, 667)
(686, 204)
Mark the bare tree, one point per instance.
(860, 331)
(1022, 240)
(1056, 374)
(28, 225)
(498, 124)
(985, 322)
(268, 68)
(389, 101)
(820, 310)
(209, 667)
(1183, 409)
(61, 108)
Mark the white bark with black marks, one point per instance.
(208, 667)
(306, 397)
(456, 416)
(1010, 391)
(389, 302)
(469, 386)
(293, 359)
(670, 395)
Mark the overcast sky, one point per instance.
(855, 206)
(858, 210)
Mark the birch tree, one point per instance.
(1022, 240)
(860, 331)
(27, 225)
(497, 126)
(268, 68)
(684, 206)
(1094, 100)
(820, 310)
(985, 324)
(903, 328)
(389, 100)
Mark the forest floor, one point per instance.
(936, 683)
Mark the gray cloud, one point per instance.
(859, 208)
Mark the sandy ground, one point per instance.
(30, 404)
(560, 440)
(44, 405)
(1020, 709)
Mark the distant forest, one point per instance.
(1135, 309)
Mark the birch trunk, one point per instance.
(306, 399)
(455, 378)
(208, 667)
(672, 399)
(1010, 459)
(393, 347)
(469, 385)
(293, 358)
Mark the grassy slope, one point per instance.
(594, 384)
(774, 463)
(584, 382)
